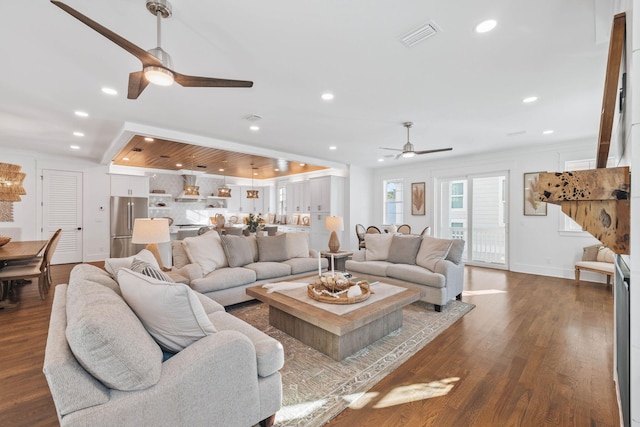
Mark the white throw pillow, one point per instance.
(206, 251)
(112, 265)
(171, 312)
(298, 245)
(431, 251)
(377, 246)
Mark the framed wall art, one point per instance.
(418, 198)
(532, 206)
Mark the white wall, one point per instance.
(535, 243)
(358, 204)
(28, 212)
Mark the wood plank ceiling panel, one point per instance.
(175, 156)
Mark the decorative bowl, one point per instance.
(4, 240)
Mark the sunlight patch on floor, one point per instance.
(293, 412)
(415, 392)
(482, 292)
(360, 400)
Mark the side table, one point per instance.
(339, 258)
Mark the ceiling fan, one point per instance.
(407, 149)
(156, 63)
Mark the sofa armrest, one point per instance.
(214, 378)
(358, 256)
(453, 274)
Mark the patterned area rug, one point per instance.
(316, 388)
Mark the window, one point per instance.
(577, 165)
(502, 204)
(457, 195)
(393, 202)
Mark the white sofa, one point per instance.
(222, 267)
(104, 365)
(432, 265)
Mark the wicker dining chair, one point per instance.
(360, 232)
(404, 229)
(425, 231)
(372, 229)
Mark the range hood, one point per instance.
(190, 192)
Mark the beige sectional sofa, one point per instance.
(109, 356)
(222, 267)
(427, 263)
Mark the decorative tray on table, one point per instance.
(337, 289)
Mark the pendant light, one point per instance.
(224, 191)
(252, 194)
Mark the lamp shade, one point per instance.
(334, 223)
(150, 230)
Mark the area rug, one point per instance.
(316, 388)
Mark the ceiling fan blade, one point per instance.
(194, 81)
(385, 148)
(433, 151)
(145, 57)
(398, 156)
(137, 83)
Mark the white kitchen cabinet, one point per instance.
(238, 202)
(306, 196)
(129, 185)
(327, 194)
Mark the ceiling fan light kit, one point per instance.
(157, 67)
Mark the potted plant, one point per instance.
(253, 223)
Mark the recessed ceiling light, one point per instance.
(109, 91)
(486, 26)
(547, 132)
(277, 170)
(81, 113)
(76, 133)
(221, 170)
(381, 159)
(178, 165)
(530, 99)
(149, 139)
(303, 164)
(255, 173)
(254, 128)
(126, 159)
(333, 147)
(74, 147)
(327, 96)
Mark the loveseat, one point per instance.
(432, 265)
(598, 259)
(222, 267)
(141, 351)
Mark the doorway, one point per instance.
(62, 208)
(475, 208)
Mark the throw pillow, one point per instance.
(112, 265)
(238, 250)
(108, 339)
(605, 255)
(431, 251)
(180, 258)
(297, 245)
(206, 251)
(403, 249)
(272, 248)
(171, 312)
(377, 246)
(254, 247)
(142, 267)
(456, 251)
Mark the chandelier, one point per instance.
(11, 183)
(253, 193)
(224, 191)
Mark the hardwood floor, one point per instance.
(535, 351)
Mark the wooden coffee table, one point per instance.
(337, 336)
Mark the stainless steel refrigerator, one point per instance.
(124, 210)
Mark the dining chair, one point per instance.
(404, 229)
(39, 267)
(372, 229)
(360, 232)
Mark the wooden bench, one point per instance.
(597, 259)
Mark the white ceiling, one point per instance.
(461, 89)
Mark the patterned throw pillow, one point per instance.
(143, 267)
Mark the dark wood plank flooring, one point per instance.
(535, 351)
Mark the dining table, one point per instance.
(15, 250)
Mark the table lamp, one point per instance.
(151, 231)
(333, 224)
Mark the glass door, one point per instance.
(474, 208)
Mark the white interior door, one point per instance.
(62, 208)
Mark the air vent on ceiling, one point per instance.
(517, 133)
(252, 117)
(421, 33)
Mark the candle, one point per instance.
(319, 265)
(333, 273)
